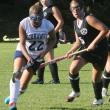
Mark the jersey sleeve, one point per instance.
(24, 23)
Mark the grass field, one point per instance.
(48, 96)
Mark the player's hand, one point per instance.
(30, 63)
(68, 55)
(29, 59)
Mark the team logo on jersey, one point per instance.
(38, 36)
(83, 31)
(82, 41)
(45, 14)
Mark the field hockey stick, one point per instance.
(61, 58)
(6, 39)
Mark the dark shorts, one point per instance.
(33, 66)
(109, 44)
(97, 57)
(57, 38)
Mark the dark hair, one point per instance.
(80, 2)
(82, 5)
(50, 3)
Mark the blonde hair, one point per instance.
(36, 8)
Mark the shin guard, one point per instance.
(97, 89)
(106, 79)
(74, 80)
(54, 71)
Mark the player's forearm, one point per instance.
(24, 51)
(74, 47)
(100, 36)
(51, 44)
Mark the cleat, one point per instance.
(104, 92)
(72, 96)
(12, 106)
(7, 100)
(98, 102)
(54, 82)
(38, 82)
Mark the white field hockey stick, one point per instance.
(6, 39)
(61, 58)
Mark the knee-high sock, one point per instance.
(14, 90)
(41, 73)
(97, 89)
(105, 79)
(54, 71)
(74, 80)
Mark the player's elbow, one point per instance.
(104, 31)
(61, 23)
(108, 34)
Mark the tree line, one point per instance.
(12, 11)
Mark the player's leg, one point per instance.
(75, 66)
(27, 74)
(14, 82)
(98, 66)
(40, 75)
(24, 80)
(53, 67)
(97, 85)
(106, 77)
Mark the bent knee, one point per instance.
(16, 75)
(73, 70)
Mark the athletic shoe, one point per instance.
(104, 92)
(98, 102)
(7, 100)
(12, 106)
(38, 82)
(72, 96)
(54, 82)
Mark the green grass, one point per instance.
(48, 96)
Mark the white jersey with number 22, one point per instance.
(36, 38)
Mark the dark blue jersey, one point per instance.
(49, 15)
(87, 33)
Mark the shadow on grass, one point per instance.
(67, 108)
(68, 70)
(64, 108)
(61, 83)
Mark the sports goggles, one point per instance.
(36, 18)
(75, 8)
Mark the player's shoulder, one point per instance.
(47, 22)
(90, 17)
(24, 20)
